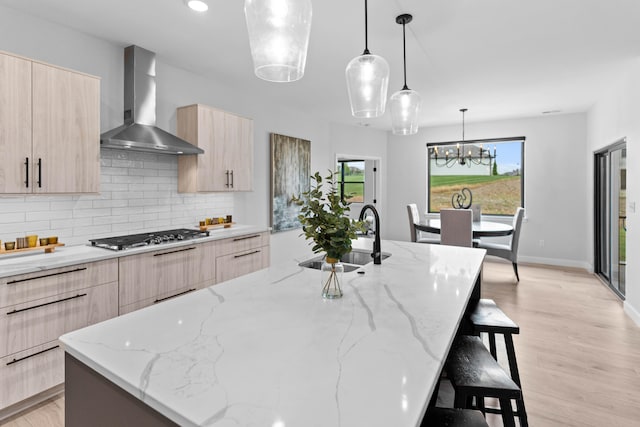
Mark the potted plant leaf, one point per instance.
(324, 220)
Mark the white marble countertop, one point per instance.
(63, 256)
(266, 349)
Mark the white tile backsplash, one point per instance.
(138, 193)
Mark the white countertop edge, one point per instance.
(65, 256)
(129, 388)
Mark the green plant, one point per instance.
(324, 220)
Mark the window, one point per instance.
(351, 180)
(493, 169)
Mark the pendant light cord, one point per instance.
(404, 55)
(366, 31)
(463, 110)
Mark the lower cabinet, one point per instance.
(241, 255)
(36, 309)
(27, 373)
(39, 307)
(153, 277)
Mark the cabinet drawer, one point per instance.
(29, 372)
(27, 287)
(160, 298)
(242, 243)
(30, 324)
(154, 274)
(239, 264)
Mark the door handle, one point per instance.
(14, 311)
(39, 173)
(26, 165)
(231, 178)
(227, 173)
(31, 355)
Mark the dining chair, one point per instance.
(456, 227)
(508, 251)
(414, 218)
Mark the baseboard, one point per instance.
(557, 262)
(632, 313)
(30, 402)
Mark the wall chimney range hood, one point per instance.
(139, 131)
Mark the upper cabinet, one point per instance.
(49, 128)
(227, 141)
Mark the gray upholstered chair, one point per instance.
(414, 218)
(456, 227)
(510, 251)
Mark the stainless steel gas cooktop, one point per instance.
(120, 243)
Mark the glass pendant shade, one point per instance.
(279, 37)
(404, 106)
(367, 83)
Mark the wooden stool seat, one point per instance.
(474, 372)
(487, 317)
(471, 368)
(450, 417)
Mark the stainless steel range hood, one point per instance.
(139, 131)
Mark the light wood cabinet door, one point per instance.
(235, 265)
(32, 323)
(66, 131)
(42, 284)
(158, 275)
(30, 372)
(227, 141)
(242, 243)
(15, 124)
(239, 156)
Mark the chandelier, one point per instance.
(463, 153)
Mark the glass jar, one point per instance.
(331, 278)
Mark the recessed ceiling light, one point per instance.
(198, 5)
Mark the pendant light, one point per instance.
(367, 81)
(405, 103)
(279, 37)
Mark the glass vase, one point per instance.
(331, 278)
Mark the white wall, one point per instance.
(613, 117)
(38, 39)
(555, 183)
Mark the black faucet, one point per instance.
(376, 255)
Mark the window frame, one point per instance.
(522, 141)
(342, 182)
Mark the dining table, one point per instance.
(480, 229)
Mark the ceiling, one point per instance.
(498, 58)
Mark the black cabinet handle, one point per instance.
(31, 355)
(45, 304)
(237, 239)
(46, 275)
(39, 173)
(26, 165)
(231, 178)
(227, 184)
(247, 254)
(176, 251)
(173, 296)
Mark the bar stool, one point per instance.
(450, 417)
(488, 318)
(474, 372)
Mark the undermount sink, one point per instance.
(351, 261)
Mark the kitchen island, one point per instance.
(265, 349)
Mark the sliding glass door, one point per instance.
(610, 172)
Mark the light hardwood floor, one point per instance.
(578, 353)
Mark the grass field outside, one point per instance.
(496, 194)
(354, 187)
